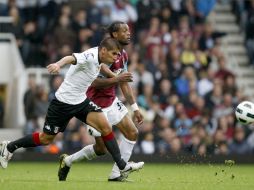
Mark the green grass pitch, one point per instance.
(43, 176)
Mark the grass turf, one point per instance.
(43, 176)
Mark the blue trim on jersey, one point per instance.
(125, 66)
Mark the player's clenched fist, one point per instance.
(53, 68)
(138, 117)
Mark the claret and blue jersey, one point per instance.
(105, 97)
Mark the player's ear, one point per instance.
(114, 34)
(103, 49)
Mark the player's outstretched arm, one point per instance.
(108, 82)
(54, 68)
(128, 94)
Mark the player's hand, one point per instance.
(138, 117)
(53, 68)
(124, 77)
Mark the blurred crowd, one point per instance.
(181, 80)
(244, 10)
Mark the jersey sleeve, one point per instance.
(79, 58)
(82, 58)
(125, 66)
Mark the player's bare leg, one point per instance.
(102, 125)
(90, 152)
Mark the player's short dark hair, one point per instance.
(114, 27)
(110, 44)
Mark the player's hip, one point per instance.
(116, 112)
(59, 114)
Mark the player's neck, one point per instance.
(122, 46)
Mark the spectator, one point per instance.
(250, 32)
(80, 20)
(30, 99)
(16, 26)
(63, 35)
(146, 9)
(222, 72)
(147, 145)
(41, 105)
(203, 8)
(209, 38)
(56, 82)
(239, 144)
(142, 77)
(175, 67)
(184, 30)
(205, 84)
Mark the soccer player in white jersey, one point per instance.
(103, 93)
(71, 102)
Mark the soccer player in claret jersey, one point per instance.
(71, 102)
(102, 92)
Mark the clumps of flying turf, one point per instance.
(229, 163)
(223, 173)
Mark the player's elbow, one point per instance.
(96, 84)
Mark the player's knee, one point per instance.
(106, 130)
(103, 127)
(46, 139)
(100, 150)
(132, 135)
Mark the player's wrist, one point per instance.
(134, 107)
(59, 64)
(116, 79)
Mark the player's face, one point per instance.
(123, 35)
(110, 56)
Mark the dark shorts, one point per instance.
(59, 114)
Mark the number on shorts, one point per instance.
(120, 105)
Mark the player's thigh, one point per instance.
(57, 118)
(92, 115)
(128, 128)
(99, 122)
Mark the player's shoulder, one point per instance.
(124, 54)
(92, 50)
(88, 56)
(91, 54)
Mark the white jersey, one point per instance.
(79, 77)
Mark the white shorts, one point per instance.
(114, 114)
